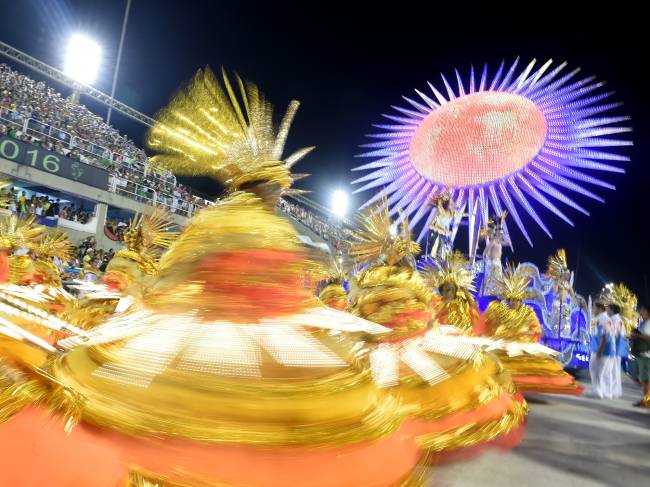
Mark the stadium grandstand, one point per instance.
(77, 172)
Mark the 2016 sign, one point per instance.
(44, 160)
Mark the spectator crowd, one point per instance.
(35, 113)
(44, 206)
(336, 235)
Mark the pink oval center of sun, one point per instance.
(478, 138)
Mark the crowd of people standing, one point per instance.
(337, 235)
(35, 113)
(44, 206)
(610, 346)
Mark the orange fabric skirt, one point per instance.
(35, 451)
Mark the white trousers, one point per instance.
(605, 375)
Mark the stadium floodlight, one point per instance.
(339, 203)
(82, 59)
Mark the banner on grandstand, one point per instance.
(48, 221)
(52, 162)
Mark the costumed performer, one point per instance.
(459, 395)
(514, 323)
(219, 378)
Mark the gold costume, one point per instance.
(333, 294)
(144, 240)
(458, 394)
(126, 273)
(454, 305)
(223, 377)
(532, 366)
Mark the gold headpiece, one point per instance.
(621, 295)
(379, 239)
(441, 198)
(52, 244)
(55, 244)
(455, 269)
(145, 237)
(557, 268)
(16, 233)
(204, 131)
(335, 272)
(513, 283)
(493, 226)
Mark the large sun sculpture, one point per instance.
(496, 144)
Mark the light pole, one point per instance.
(119, 58)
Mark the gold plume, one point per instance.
(557, 267)
(380, 239)
(513, 283)
(55, 244)
(621, 295)
(16, 233)
(145, 237)
(146, 232)
(205, 131)
(51, 244)
(455, 269)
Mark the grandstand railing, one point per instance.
(99, 156)
(94, 154)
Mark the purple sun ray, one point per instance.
(549, 127)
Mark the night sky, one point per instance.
(347, 65)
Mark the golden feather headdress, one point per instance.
(55, 244)
(379, 239)
(16, 233)
(493, 226)
(455, 269)
(145, 237)
(335, 271)
(513, 283)
(621, 295)
(52, 244)
(206, 131)
(557, 268)
(441, 198)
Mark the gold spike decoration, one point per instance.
(146, 236)
(205, 131)
(455, 269)
(380, 240)
(621, 295)
(557, 268)
(17, 233)
(513, 283)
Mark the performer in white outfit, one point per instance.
(618, 332)
(599, 368)
(495, 238)
(441, 225)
